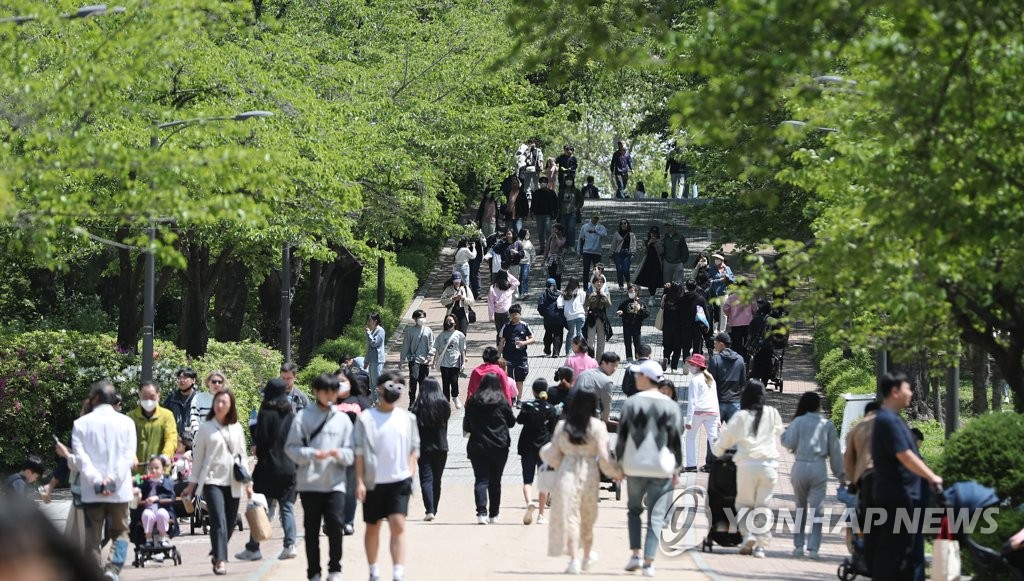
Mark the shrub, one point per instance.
(831, 366)
(850, 381)
(986, 449)
(45, 376)
(839, 405)
(312, 370)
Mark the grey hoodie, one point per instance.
(327, 475)
(730, 373)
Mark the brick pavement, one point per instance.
(510, 550)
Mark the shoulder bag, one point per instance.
(239, 471)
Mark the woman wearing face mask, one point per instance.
(597, 323)
(418, 351)
(500, 298)
(701, 408)
(623, 246)
(458, 298)
(633, 313)
(450, 347)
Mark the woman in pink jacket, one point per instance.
(740, 314)
(501, 296)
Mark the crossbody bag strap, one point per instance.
(316, 432)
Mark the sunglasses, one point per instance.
(217, 381)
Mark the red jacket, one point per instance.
(482, 370)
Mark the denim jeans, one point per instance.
(809, 483)
(287, 512)
(575, 327)
(374, 370)
(589, 260)
(621, 179)
(645, 493)
(569, 224)
(623, 262)
(543, 230)
(488, 466)
(524, 278)
(431, 466)
(328, 508)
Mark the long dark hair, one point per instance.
(809, 402)
(358, 384)
(501, 280)
(752, 399)
(26, 533)
(432, 409)
(673, 294)
(578, 412)
(571, 287)
(490, 393)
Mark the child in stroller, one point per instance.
(153, 522)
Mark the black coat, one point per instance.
(274, 474)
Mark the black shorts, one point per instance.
(518, 372)
(387, 499)
(530, 463)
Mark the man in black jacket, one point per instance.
(730, 373)
(544, 208)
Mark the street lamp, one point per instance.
(83, 12)
(149, 288)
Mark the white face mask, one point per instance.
(694, 370)
(148, 405)
(421, 321)
(632, 295)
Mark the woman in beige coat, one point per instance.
(578, 447)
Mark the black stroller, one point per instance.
(859, 561)
(145, 553)
(767, 345)
(721, 496)
(988, 563)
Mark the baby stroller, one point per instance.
(988, 563)
(201, 518)
(157, 552)
(859, 561)
(721, 497)
(767, 346)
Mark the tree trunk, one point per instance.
(332, 295)
(198, 281)
(270, 309)
(1012, 368)
(312, 321)
(231, 299)
(920, 408)
(978, 361)
(129, 291)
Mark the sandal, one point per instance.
(219, 569)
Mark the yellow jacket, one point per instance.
(157, 435)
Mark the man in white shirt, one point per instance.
(104, 442)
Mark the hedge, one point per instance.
(987, 449)
(45, 376)
(399, 287)
(855, 381)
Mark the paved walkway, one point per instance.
(454, 547)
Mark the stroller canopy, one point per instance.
(970, 495)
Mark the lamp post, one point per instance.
(286, 303)
(149, 286)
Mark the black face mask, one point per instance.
(389, 396)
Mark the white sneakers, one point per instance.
(458, 404)
(542, 520)
(287, 553)
(589, 561)
(481, 519)
(648, 570)
(336, 576)
(528, 517)
(574, 567)
(494, 519)
(634, 563)
(429, 517)
(248, 555)
(759, 553)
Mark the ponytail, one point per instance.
(708, 378)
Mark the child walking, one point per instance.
(538, 418)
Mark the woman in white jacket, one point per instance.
(571, 303)
(753, 431)
(701, 409)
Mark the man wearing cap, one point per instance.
(649, 450)
(730, 373)
(544, 206)
(180, 403)
(721, 277)
(675, 255)
(591, 237)
(643, 353)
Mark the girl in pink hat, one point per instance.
(702, 409)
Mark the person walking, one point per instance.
(624, 244)
(572, 304)
(155, 431)
(320, 444)
(533, 159)
(570, 204)
(218, 445)
(675, 169)
(538, 418)
(633, 313)
(740, 314)
(600, 380)
(373, 361)
(458, 299)
(752, 431)
(579, 448)
(432, 412)
(487, 422)
(580, 360)
(650, 274)
(621, 166)
(450, 349)
(499, 299)
(464, 253)
(554, 318)
(590, 191)
(487, 214)
(179, 402)
(387, 449)
(812, 439)
(567, 166)
(104, 443)
(353, 399)
(650, 452)
(598, 328)
(480, 245)
(701, 408)
(490, 357)
(553, 254)
(693, 329)
(517, 207)
(513, 340)
(674, 325)
(417, 350)
(529, 256)
(591, 238)
(730, 374)
(506, 252)
(544, 208)
(721, 277)
(900, 472)
(675, 255)
(274, 475)
(298, 398)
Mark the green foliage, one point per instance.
(316, 366)
(853, 381)
(985, 450)
(934, 443)
(46, 375)
(833, 364)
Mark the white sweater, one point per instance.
(703, 397)
(751, 448)
(573, 309)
